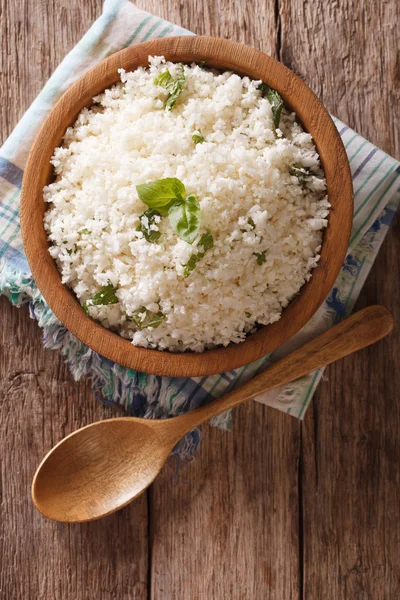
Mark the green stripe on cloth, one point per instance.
(352, 157)
(351, 140)
(381, 181)
(149, 34)
(367, 179)
(137, 31)
(377, 203)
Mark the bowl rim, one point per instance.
(221, 54)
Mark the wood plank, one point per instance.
(252, 23)
(39, 401)
(351, 436)
(348, 54)
(226, 525)
(350, 463)
(39, 405)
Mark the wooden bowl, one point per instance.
(224, 55)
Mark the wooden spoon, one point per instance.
(104, 466)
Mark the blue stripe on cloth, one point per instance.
(388, 216)
(192, 389)
(10, 214)
(15, 259)
(342, 131)
(364, 162)
(196, 389)
(11, 172)
(228, 376)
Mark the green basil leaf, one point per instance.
(160, 193)
(260, 257)
(299, 171)
(201, 64)
(198, 138)
(184, 217)
(275, 100)
(206, 242)
(173, 85)
(144, 318)
(150, 235)
(103, 297)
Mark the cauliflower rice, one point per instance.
(259, 186)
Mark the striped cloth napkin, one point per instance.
(376, 181)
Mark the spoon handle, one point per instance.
(358, 331)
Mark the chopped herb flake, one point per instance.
(247, 313)
(107, 295)
(72, 250)
(275, 101)
(206, 242)
(173, 85)
(198, 138)
(144, 318)
(264, 88)
(299, 171)
(260, 257)
(146, 220)
(251, 223)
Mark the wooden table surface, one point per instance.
(276, 509)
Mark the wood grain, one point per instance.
(226, 525)
(222, 54)
(40, 559)
(351, 435)
(272, 510)
(348, 53)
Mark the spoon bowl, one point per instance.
(100, 468)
